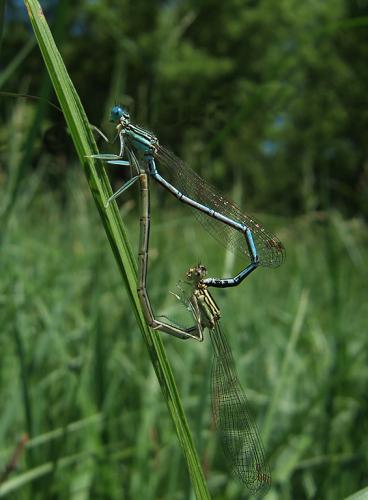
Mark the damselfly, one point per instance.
(221, 217)
(237, 431)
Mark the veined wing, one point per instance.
(270, 249)
(238, 432)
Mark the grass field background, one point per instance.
(267, 105)
(75, 373)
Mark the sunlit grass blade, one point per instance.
(283, 376)
(35, 473)
(98, 181)
(359, 495)
(18, 167)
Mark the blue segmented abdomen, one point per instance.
(270, 250)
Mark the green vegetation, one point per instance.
(75, 370)
(268, 100)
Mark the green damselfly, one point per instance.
(237, 431)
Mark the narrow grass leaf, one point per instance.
(359, 495)
(2, 20)
(282, 380)
(100, 187)
(17, 61)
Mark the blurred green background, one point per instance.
(267, 101)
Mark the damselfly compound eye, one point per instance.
(117, 113)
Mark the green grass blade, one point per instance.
(359, 495)
(14, 484)
(2, 21)
(17, 61)
(283, 376)
(100, 187)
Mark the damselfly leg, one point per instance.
(195, 331)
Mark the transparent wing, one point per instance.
(182, 319)
(238, 432)
(270, 249)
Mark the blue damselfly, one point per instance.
(221, 217)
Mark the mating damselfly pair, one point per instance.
(141, 150)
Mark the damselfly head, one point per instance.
(197, 273)
(119, 115)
